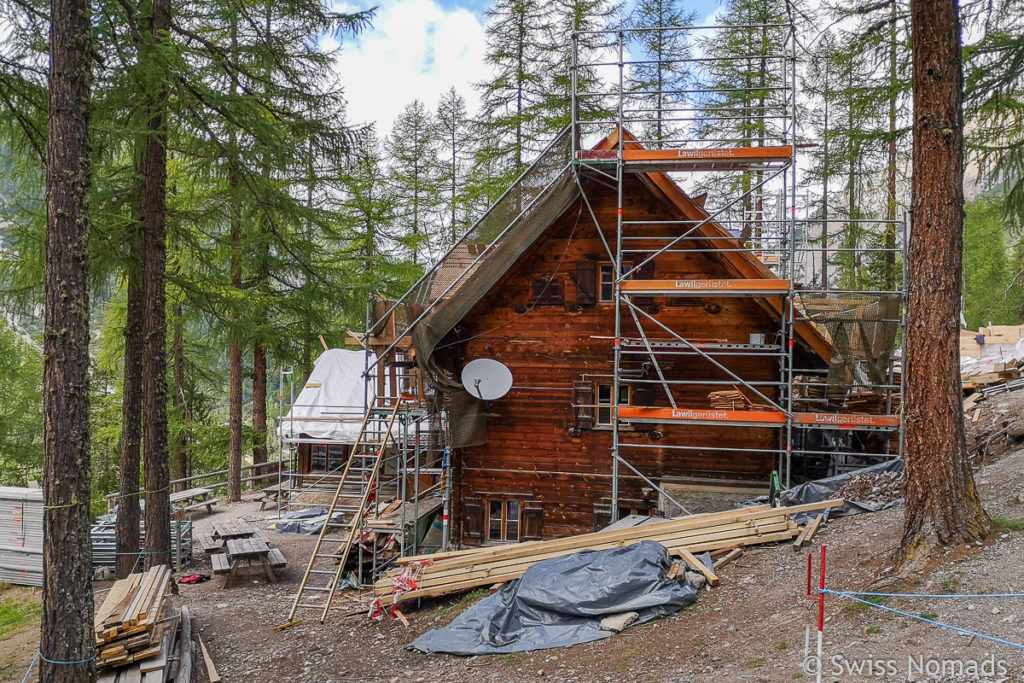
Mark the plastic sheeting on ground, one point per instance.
(823, 489)
(560, 602)
(308, 521)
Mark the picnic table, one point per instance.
(194, 499)
(271, 495)
(251, 551)
(227, 529)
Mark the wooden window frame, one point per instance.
(503, 536)
(599, 279)
(598, 423)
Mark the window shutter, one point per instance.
(583, 402)
(473, 522)
(533, 522)
(548, 293)
(586, 282)
(644, 272)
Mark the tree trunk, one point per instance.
(235, 391)
(127, 528)
(67, 629)
(178, 399)
(941, 496)
(154, 372)
(259, 405)
(890, 206)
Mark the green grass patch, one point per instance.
(798, 674)
(511, 658)
(782, 646)
(756, 663)
(1008, 524)
(18, 610)
(874, 630)
(929, 615)
(856, 607)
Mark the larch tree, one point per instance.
(415, 173)
(942, 500)
(66, 640)
(453, 130)
(656, 87)
(511, 115)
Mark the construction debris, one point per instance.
(21, 528)
(444, 573)
(875, 488)
(135, 625)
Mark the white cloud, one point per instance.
(416, 49)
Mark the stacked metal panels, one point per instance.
(104, 542)
(21, 536)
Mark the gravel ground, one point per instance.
(750, 628)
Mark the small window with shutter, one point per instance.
(548, 292)
(586, 279)
(583, 404)
(533, 521)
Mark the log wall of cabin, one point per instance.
(531, 455)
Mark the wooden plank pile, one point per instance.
(134, 624)
(734, 399)
(443, 573)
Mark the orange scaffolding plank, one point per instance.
(723, 287)
(689, 158)
(766, 418)
(847, 421)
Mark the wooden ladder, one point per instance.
(363, 466)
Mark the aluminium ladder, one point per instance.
(359, 478)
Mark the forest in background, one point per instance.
(283, 217)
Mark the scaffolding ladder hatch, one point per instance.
(720, 287)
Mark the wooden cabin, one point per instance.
(544, 470)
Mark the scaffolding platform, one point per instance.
(689, 159)
(705, 287)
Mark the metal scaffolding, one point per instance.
(739, 136)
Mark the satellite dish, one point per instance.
(486, 379)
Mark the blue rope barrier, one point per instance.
(963, 596)
(852, 596)
(39, 655)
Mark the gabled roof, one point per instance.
(459, 300)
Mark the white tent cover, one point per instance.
(330, 405)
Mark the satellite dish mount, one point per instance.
(487, 380)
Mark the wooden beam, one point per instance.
(697, 565)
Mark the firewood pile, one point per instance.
(135, 628)
(451, 572)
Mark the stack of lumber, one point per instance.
(130, 623)
(866, 402)
(734, 400)
(728, 400)
(443, 573)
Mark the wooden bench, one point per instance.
(209, 545)
(221, 564)
(276, 558)
(208, 504)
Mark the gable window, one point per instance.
(503, 519)
(604, 402)
(606, 280)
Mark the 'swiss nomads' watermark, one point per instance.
(987, 669)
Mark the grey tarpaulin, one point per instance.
(823, 489)
(560, 602)
(308, 521)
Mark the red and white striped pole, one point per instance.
(821, 613)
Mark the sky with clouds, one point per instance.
(420, 49)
